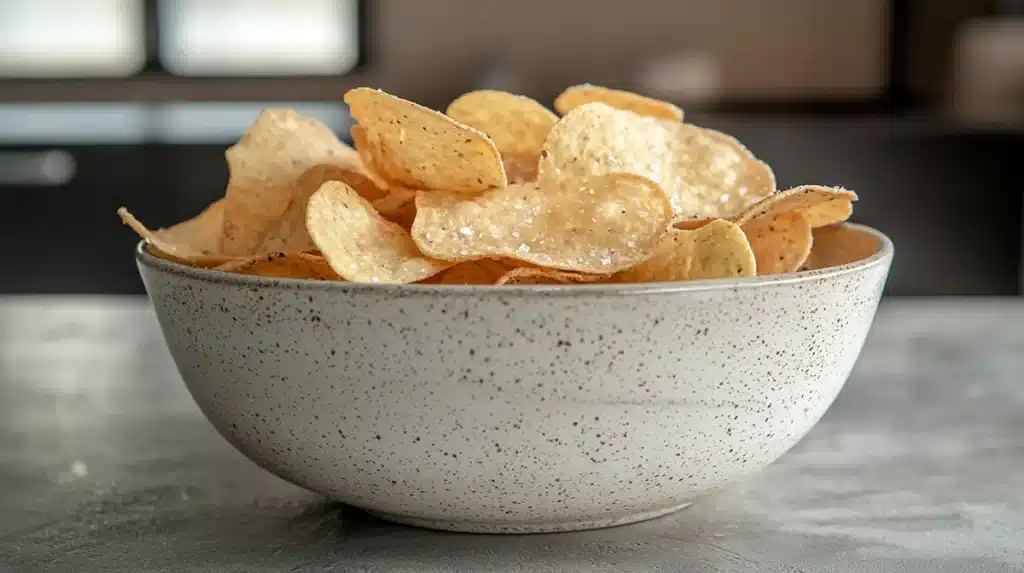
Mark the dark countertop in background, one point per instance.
(108, 465)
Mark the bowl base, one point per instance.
(498, 527)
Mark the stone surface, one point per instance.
(106, 464)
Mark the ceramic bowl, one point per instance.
(519, 408)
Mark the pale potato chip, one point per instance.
(366, 151)
(706, 174)
(480, 272)
(193, 242)
(583, 94)
(264, 166)
(800, 199)
(542, 276)
(781, 243)
(837, 245)
(420, 148)
(716, 250)
(302, 265)
(359, 244)
(289, 233)
(594, 225)
(516, 124)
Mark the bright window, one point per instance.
(71, 38)
(259, 37)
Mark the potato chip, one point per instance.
(801, 199)
(716, 250)
(420, 148)
(520, 168)
(690, 224)
(516, 124)
(193, 242)
(284, 265)
(837, 245)
(828, 213)
(264, 166)
(398, 207)
(781, 243)
(359, 244)
(583, 94)
(289, 233)
(367, 152)
(542, 276)
(480, 272)
(706, 174)
(598, 225)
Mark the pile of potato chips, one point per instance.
(500, 190)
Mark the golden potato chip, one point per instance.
(264, 166)
(520, 168)
(690, 224)
(285, 265)
(837, 245)
(396, 198)
(516, 124)
(398, 207)
(542, 276)
(716, 250)
(576, 96)
(194, 242)
(598, 225)
(781, 243)
(828, 213)
(420, 148)
(480, 272)
(359, 244)
(800, 199)
(706, 174)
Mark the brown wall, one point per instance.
(764, 48)
(430, 50)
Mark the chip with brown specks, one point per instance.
(359, 244)
(264, 166)
(420, 148)
(582, 94)
(301, 265)
(716, 250)
(518, 125)
(594, 225)
(780, 243)
(193, 242)
(706, 174)
(802, 198)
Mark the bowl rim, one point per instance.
(211, 276)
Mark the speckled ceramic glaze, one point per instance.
(519, 408)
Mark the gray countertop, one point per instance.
(107, 465)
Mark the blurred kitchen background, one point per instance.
(916, 104)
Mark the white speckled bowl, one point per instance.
(520, 408)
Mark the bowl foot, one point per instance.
(498, 527)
